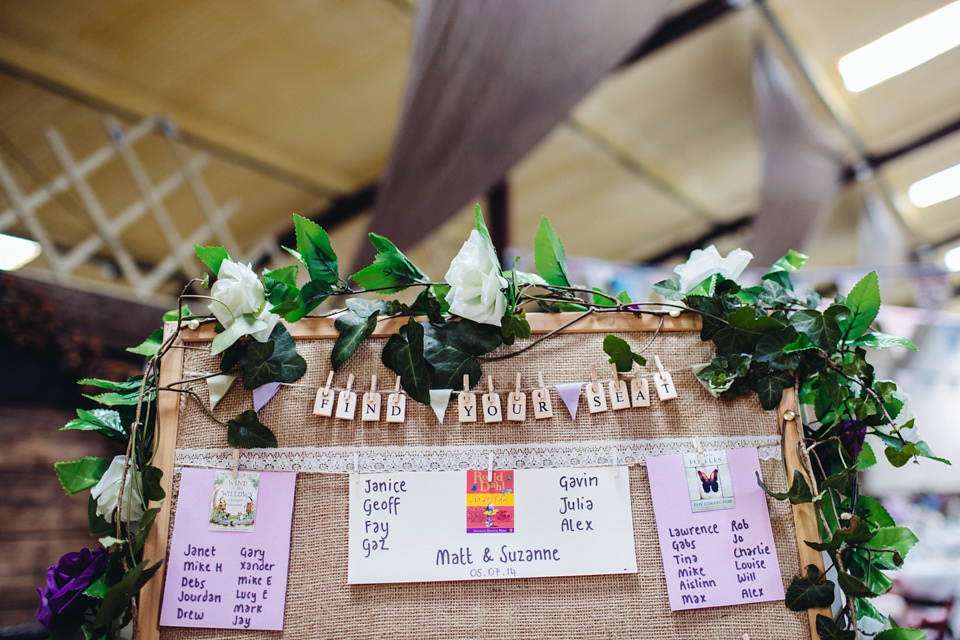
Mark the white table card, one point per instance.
(471, 525)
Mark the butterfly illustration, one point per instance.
(710, 482)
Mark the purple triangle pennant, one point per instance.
(263, 394)
(570, 394)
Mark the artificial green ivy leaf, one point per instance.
(669, 289)
(902, 634)
(114, 399)
(791, 262)
(799, 492)
(821, 331)
(877, 340)
(99, 587)
(621, 354)
(146, 523)
(365, 308)
(827, 629)
(514, 326)
(842, 481)
(352, 330)
(391, 271)
(316, 254)
(119, 595)
(770, 348)
(130, 384)
(770, 388)
(809, 591)
(247, 432)
(864, 304)
(873, 512)
(426, 304)
(898, 540)
(276, 360)
(549, 255)
(151, 483)
(867, 457)
(149, 347)
(280, 286)
(404, 355)
(624, 298)
(212, 257)
(106, 422)
(233, 356)
(853, 586)
(77, 475)
(450, 350)
(856, 532)
(865, 609)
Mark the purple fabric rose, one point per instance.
(66, 581)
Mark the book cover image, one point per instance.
(490, 502)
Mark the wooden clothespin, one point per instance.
(596, 399)
(323, 405)
(663, 382)
(492, 411)
(467, 402)
(347, 402)
(619, 397)
(396, 404)
(370, 412)
(615, 461)
(490, 467)
(517, 404)
(235, 466)
(639, 390)
(696, 445)
(542, 407)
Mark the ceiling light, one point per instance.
(16, 252)
(951, 259)
(903, 49)
(941, 186)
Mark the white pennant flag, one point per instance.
(439, 399)
(219, 385)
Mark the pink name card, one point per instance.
(230, 551)
(714, 528)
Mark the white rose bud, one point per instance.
(707, 262)
(107, 491)
(476, 282)
(240, 305)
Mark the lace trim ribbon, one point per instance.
(461, 457)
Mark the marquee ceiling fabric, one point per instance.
(488, 80)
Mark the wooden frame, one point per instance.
(148, 628)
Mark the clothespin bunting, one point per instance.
(492, 411)
(596, 399)
(235, 464)
(663, 382)
(490, 467)
(263, 394)
(439, 399)
(542, 406)
(347, 402)
(467, 402)
(569, 392)
(396, 404)
(619, 396)
(517, 404)
(218, 386)
(640, 391)
(370, 409)
(323, 405)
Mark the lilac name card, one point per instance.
(217, 578)
(714, 528)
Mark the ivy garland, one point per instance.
(767, 339)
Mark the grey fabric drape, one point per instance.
(801, 175)
(488, 80)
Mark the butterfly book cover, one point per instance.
(708, 481)
(490, 502)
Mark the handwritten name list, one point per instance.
(715, 558)
(419, 527)
(228, 579)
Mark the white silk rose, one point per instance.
(476, 282)
(240, 305)
(708, 262)
(107, 491)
